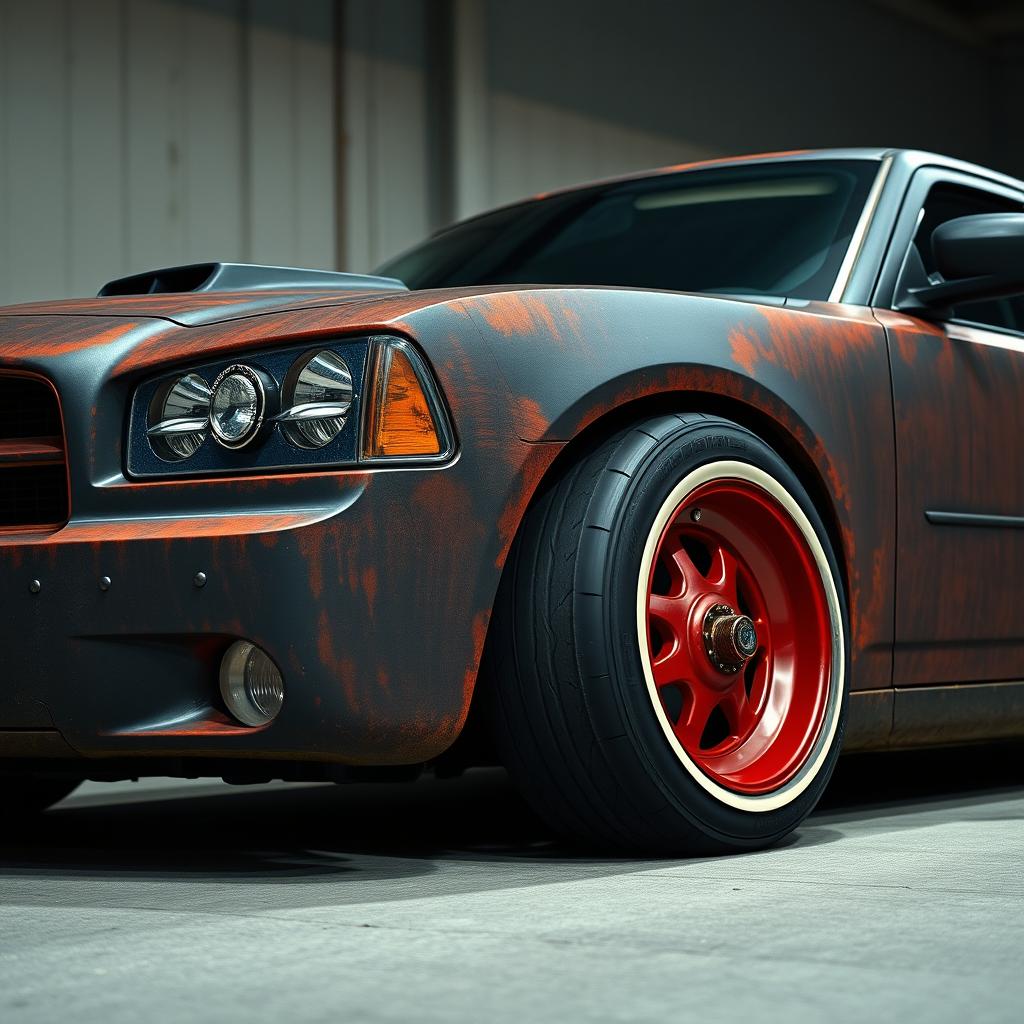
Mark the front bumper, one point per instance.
(373, 609)
(371, 589)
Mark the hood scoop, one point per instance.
(240, 277)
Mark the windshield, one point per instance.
(765, 229)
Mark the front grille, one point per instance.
(33, 470)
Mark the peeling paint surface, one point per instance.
(372, 589)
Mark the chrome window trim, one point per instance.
(853, 250)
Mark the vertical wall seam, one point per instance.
(69, 167)
(340, 148)
(124, 57)
(245, 190)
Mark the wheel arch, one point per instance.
(472, 743)
(769, 428)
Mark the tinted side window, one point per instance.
(947, 202)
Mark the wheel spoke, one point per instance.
(671, 668)
(696, 712)
(693, 582)
(669, 610)
(759, 684)
(723, 574)
(737, 709)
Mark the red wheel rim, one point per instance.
(731, 550)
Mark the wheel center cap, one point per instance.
(730, 639)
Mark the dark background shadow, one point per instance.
(295, 846)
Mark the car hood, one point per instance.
(194, 309)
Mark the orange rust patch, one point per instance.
(216, 724)
(530, 419)
(370, 586)
(310, 544)
(479, 631)
(746, 350)
(512, 313)
(532, 471)
(160, 529)
(341, 667)
(37, 344)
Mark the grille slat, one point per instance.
(33, 474)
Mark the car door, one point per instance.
(958, 390)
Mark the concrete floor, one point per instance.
(902, 898)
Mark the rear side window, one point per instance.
(947, 202)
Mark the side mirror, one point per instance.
(979, 257)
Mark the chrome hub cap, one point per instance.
(730, 639)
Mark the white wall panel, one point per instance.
(35, 146)
(154, 139)
(316, 130)
(387, 197)
(143, 133)
(292, 130)
(213, 90)
(96, 237)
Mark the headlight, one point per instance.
(178, 417)
(317, 399)
(237, 406)
(347, 402)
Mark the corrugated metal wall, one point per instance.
(144, 133)
(386, 122)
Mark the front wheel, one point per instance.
(669, 655)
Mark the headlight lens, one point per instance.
(318, 398)
(178, 427)
(297, 408)
(237, 405)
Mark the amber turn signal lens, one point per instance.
(400, 421)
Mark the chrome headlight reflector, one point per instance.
(237, 406)
(345, 402)
(179, 417)
(317, 398)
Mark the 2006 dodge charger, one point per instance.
(658, 491)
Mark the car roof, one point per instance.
(909, 159)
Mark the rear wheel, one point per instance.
(670, 651)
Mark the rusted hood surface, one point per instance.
(193, 309)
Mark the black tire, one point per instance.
(573, 719)
(29, 795)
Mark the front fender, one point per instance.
(819, 373)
